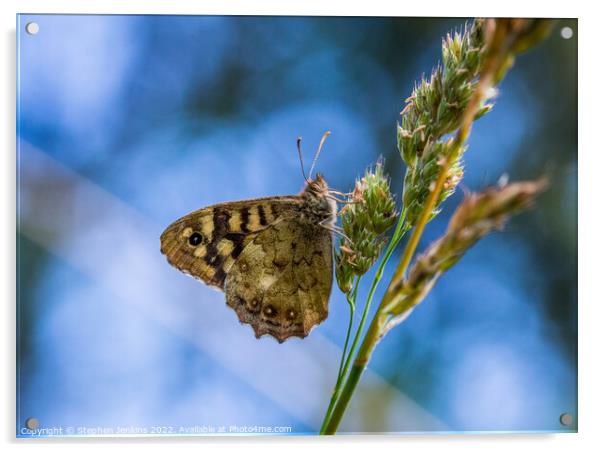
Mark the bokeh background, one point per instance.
(126, 123)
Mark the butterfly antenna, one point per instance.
(301, 158)
(313, 164)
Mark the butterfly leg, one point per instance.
(341, 201)
(340, 193)
(334, 229)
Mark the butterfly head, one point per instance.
(320, 206)
(317, 186)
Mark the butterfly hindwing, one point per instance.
(206, 243)
(281, 282)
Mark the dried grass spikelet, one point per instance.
(478, 215)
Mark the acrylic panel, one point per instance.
(127, 123)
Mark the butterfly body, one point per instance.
(271, 256)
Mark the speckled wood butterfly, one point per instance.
(271, 256)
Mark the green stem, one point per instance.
(351, 299)
(397, 236)
(400, 230)
(347, 390)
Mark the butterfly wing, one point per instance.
(206, 243)
(281, 282)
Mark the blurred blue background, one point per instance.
(126, 123)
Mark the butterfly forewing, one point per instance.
(206, 243)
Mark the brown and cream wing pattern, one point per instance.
(206, 243)
(281, 282)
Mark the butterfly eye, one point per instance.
(195, 239)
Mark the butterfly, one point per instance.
(271, 256)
